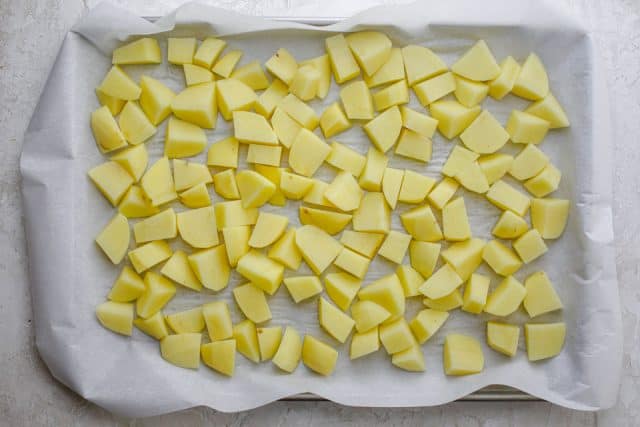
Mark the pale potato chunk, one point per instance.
(506, 197)
(510, 226)
(252, 75)
(113, 104)
(549, 216)
(344, 192)
(424, 256)
(269, 227)
(415, 187)
(544, 183)
(462, 355)
(252, 303)
(323, 65)
(255, 189)
(532, 82)
(373, 215)
(303, 287)
(356, 100)
(373, 172)
(188, 174)
(333, 121)
(410, 279)
(300, 112)
(218, 320)
(183, 139)
(178, 269)
(411, 359)
(134, 124)
(114, 238)
(252, 128)
(211, 267)
(318, 356)
(453, 117)
(220, 356)
(426, 323)
(155, 326)
(343, 63)
(146, 256)
(475, 294)
(225, 65)
(391, 184)
(285, 250)
(396, 336)
(305, 82)
(395, 94)
(414, 146)
(389, 72)
(395, 246)
(264, 272)
(282, 65)
(485, 134)
(506, 298)
(503, 83)
(182, 350)
(525, 128)
(420, 63)
(160, 226)
(495, 166)
(441, 283)
(247, 340)
(105, 130)
(368, 315)
(418, 122)
(317, 247)
(197, 105)
(270, 98)
(119, 85)
(330, 221)
(363, 343)
(289, 351)
(208, 52)
(464, 257)
(223, 153)
(541, 297)
(346, 159)
(371, 49)
(352, 262)
(127, 287)
(294, 187)
(443, 192)
(158, 292)
(195, 75)
(307, 153)
(455, 223)
(530, 246)
(186, 321)
(233, 95)
(116, 316)
(435, 88)
(549, 109)
(384, 130)
(366, 244)
(386, 292)
(198, 227)
(528, 163)
(470, 93)
(503, 260)
(342, 288)
(503, 337)
(155, 99)
(477, 63)
(544, 340)
(145, 50)
(225, 184)
(181, 50)
(269, 341)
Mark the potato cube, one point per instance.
(285, 127)
(503, 337)
(303, 287)
(114, 238)
(415, 187)
(329, 221)
(459, 159)
(352, 262)
(186, 321)
(344, 192)
(528, 163)
(289, 351)
(509, 226)
(181, 50)
(252, 128)
(485, 134)
(233, 95)
(525, 128)
(262, 271)
(532, 82)
(177, 268)
(119, 85)
(142, 51)
(394, 94)
(224, 153)
(445, 303)
(197, 105)
(127, 287)
(420, 63)
(333, 121)
(183, 139)
(455, 223)
(549, 216)
(334, 321)
(410, 279)
(495, 166)
(113, 104)
(500, 86)
(475, 294)
(323, 65)
(373, 215)
(506, 298)
(411, 359)
(158, 292)
(371, 49)
(198, 228)
(224, 66)
(116, 316)
(195, 75)
(307, 153)
(473, 178)
(155, 99)
(368, 315)
(247, 340)
(252, 303)
(356, 100)
(443, 192)
(346, 159)
(255, 190)
(396, 336)
(500, 258)
(549, 109)
(544, 183)
(470, 93)
(294, 187)
(414, 146)
(395, 246)
(426, 323)
(384, 130)
(391, 183)
(424, 256)
(386, 292)
(134, 124)
(477, 63)
(208, 52)
(252, 75)
(211, 267)
(268, 341)
(373, 172)
(317, 247)
(343, 63)
(389, 72)
(282, 65)
(462, 355)
(160, 226)
(530, 246)
(136, 204)
(220, 356)
(366, 244)
(435, 88)
(441, 283)
(464, 257)
(187, 174)
(318, 356)
(418, 122)
(541, 297)
(105, 130)
(269, 227)
(305, 82)
(300, 112)
(270, 98)
(285, 250)
(182, 350)
(225, 184)
(544, 340)
(155, 326)
(363, 343)
(195, 197)
(218, 320)
(506, 197)
(267, 155)
(146, 256)
(342, 288)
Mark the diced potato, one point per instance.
(183, 139)
(318, 356)
(544, 340)
(352, 262)
(391, 184)
(136, 204)
(323, 65)
(231, 214)
(541, 297)
(247, 340)
(155, 99)
(160, 226)
(441, 283)
(282, 65)
(356, 100)
(317, 247)
(435, 88)
(366, 244)
(418, 122)
(462, 355)
(252, 75)
(142, 51)
(465, 256)
(470, 93)
(411, 359)
(446, 303)
(485, 134)
(530, 246)
(225, 65)
(477, 63)
(105, 130)
(300, 112)
(459, 159)
(424, 256)
(113, 104)
(127, 287)
(134, 124)
(329, 221)
(506, 197)
(503, 337)
(373, 215)
(155, 326)
(371, 49)
(342, 288)
(389, 72)
(285, 250)
(252, 303)
(285, 127)
(269, 227)
(346, 159)
(473, 178)
(224, 153)
(549, 216)
(509, 226)
(415, 187)
(218, 320)
(270, 98)
(475, 294)
(528, 163)
(420, 63)
(197, 105)
(186, 321)
(289, 351)
(502, 85)
(495, 166)
(333, 121)
(146, 256)
(198, 228)
(188, 174)
(363, 343)
(180, 50)
(178, 269)
(305, 82)
(294, 187)
(414, 146)
(208, 52)
(344, 192)
(500, 258)
(119, 85)
(269, 341)
(384, 130)
(410, 279)
(550, 110)
(395, 246)
(525, 128)
(453, 117)
(443, 192)
(303, 287)
(252, 128)
(133, 159)
(116, 316)
(114, 238)
(532, 82)
(195, 75)
(211, 267)
(373, 172)
(264, 272)
(386, 292)
(182, 350)
(394, 94)
(426, 323)
(255, 189)
(233, 95)
(544, 183)
(368, 315)
(396, 336)
(307, 153)
(220, 356)
(455, 223)
(343, 63)
(506, 298)
(225, 184)
(158, 292)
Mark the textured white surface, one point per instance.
(30, 34)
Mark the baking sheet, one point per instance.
(64, 212)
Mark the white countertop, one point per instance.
(31, 32)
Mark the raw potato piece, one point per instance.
(420, 63)
(475, 294)
(158, 291)
(386, 292)
(485, 134)
(477, 63)
(549, 216)
(414, 146)
(424, 256)
(294, 187)
(395, 246)
(455, 223)
(443, 192)
(371, 177)
(363, 343)
(307, 153)
(267, 155)
(462, 355)
(255, 189)
(530, 246)
(528, 163)
(459, 159)
(550, 110)
(183, 139)
(197, 105)
(435, 88)
(426, 323)
(356, 100)
(127, 287)
(366, 244)
(368, 315)
(146, 256)
(269, 227)
(160, 226)
(541, 297)
(211, 267)
(263, 272)
(415, 187)
(343, 63)
(509, 226)
(218, 320)
(396, 336)
(177, 268)
(195, 75)
(270, 98)
(289, 351)
(352, 262)
(116, 316)
(344, 192)
(446, 303)
(134, 160)
(500, 258)
(317, 247)
(252, 75)
(410, 279)
(506, 298)
(225, 65)
(441, 283)
(495, 166)
(155, 99)
(544, 340)
(186, 321)
(182, 350)
(134, 124)
(329, 221)
(300, 112)
(473, 179)
(233, 95)
(384, 130)
(198, 228)
(113, 104)
(155, 326)
(411, 359)
(532, 82)
(503, 337)
(142, 51)
(371, 49)
(395, 94)
(525, 128)
(506, 197)
(318, 356)
(236, 241)
(208, 52)
(502, 85)
(323, 65)
(269, 341)
(252, 128)
(346, 159)
(418, 122)
(188, 174)
(342, 289)
(181, 50)
(546, 182)
(470, 93)
(252, 303)
(389, 72)
(305, 82)
(105, 130)
(114, 238)
(303, 287)
(373, 215)
(333, 121)
(315, 196)
(220, 356)
(224, 183)
(247, 340)
(282, 65)
(285, 127)
(453, 117)
(464, 257)
(119, 85)
(391, 183)
(285, 250)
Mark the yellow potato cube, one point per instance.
(418, 122)
(363, 343)
(530, 246)
(345, 158)
(195, 75)
(211, 267)
(198, 228)
(282, 65)
(462, 355)
(549, 216)
(323, 65)
(225, 65)
(269, 341)
(509, 226)
(532, 82)
(459, 159)
(318, 356)
(333, 121)
(396, 336)
(389, 72)
(155, 99)
(127, 287)
(307, 153)
(373, 172)
(181, 50)
(252, 128)
(441, 283)
(549, 109)
(411, 359)
(264, 272)
(158, 292)
(525, 128)
(285, 250)
(384, 130)
(506, 197)
(420, 63)
(270, 98)
(134, 160)
(146, 256)
(252, 75)
(443, 192)
(426, 323)
(470, 93)
(475, 294)
(197, 105)
(305, 82)
(500, 258)
(366, 244)
(196, 196)
(424, 256)
(528, 163)
(264, 155)
(373, 215)
(208, 52)
(356, 100)
(114, 238)
(233, 95)
(352, 262)
(300, 112)
(294, 187)
(464, 257)
(289, 351)
(485, 134)
(105, 130)
(134, 124)
(506, 298)
(445, 303)
(113, 104)
(182, 350)
(368, 315)
(455, 223)
(224, 183)
(247, 340)
(395, 246)
(186, 321)
(183, 139)
(394, 94)
(342, 288)
(285, 127)
(329, 221)
(252, 303)
(503, 83)
(119, 85)
(142, 51)
(435, 88)
(116, 316)
(473, 178)
(255, 189)
(544, 340)
(544, 183)
(415, 187)
(157, 227)
(386, 292)
(303, 287)
(269, 227)
(155, 326)
(495, 166)
(344, 192)
(391, 184)
(317, 247)
(541, 297)
(371, 49)
(218, 320)
(477, 63)
(220, 356)
(343, 63)
(414, 146)
(136, 204)
(410, 279)
(503, 337)
(178, 269)
(188, 174)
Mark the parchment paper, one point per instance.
(64, 212)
